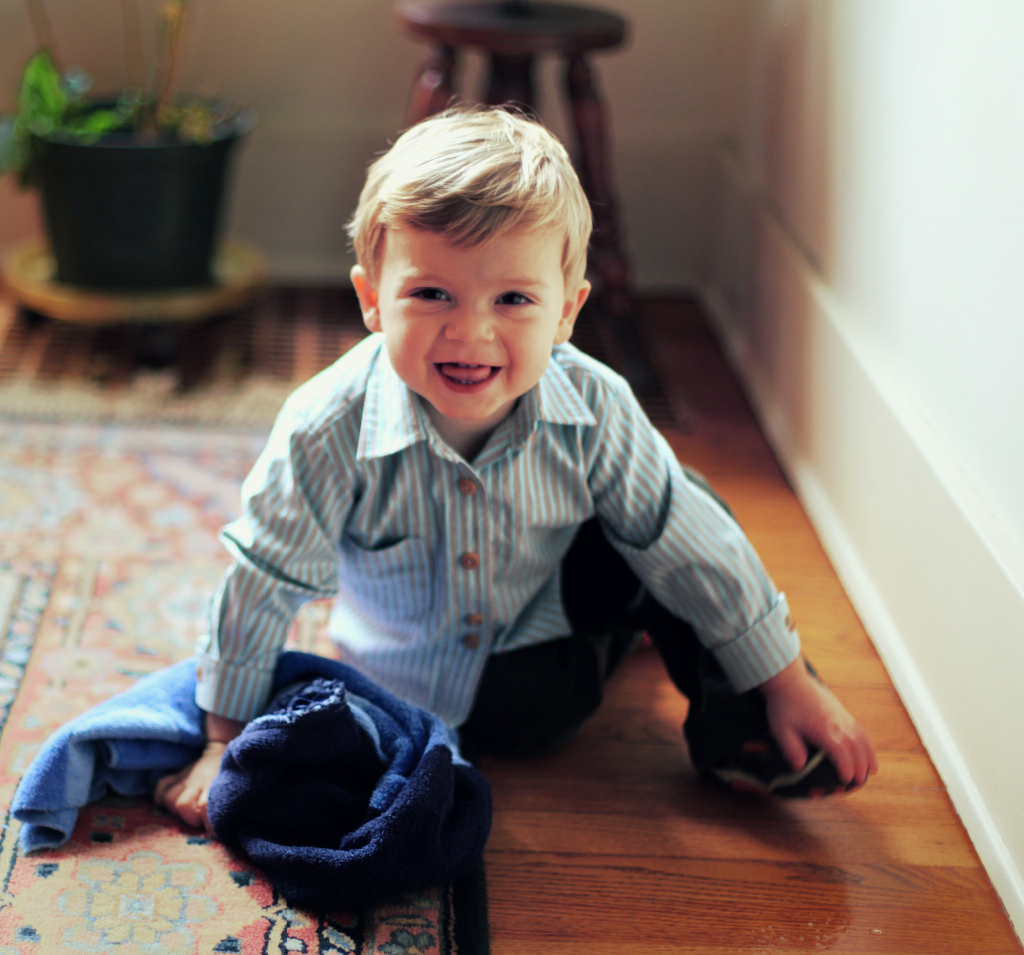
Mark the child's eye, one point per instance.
(513, 298)
(431, 294)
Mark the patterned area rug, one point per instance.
(108, 559)
(234, 371)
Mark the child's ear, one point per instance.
(570, 310)
(367, 295)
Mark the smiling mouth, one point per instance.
(462, 373)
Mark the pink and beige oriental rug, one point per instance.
(108, 559)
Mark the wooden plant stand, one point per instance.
(28, 270)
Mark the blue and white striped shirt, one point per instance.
(436, 562)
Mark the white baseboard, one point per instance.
(914, 692)
(807, 425)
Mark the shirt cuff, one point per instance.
(236, 691)
(767, 648)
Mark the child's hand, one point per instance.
(802, 710)
(184, 793)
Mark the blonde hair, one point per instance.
(470, 174)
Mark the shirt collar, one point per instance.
(392, 421)
(557, 401)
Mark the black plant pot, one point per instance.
(125, 213)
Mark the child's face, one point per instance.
(470, 330)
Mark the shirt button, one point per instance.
(471, 640)
(470, 561)
(467, 486)
(474, 619)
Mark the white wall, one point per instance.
(330, 80)
(869, 282)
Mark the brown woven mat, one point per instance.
(234, 371)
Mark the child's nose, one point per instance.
(470, 324)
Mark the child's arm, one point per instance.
(801, 710)
(686, 547)
(184, 793)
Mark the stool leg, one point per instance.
(511, 81)
(592, 161)
(606, 254)
(433, 89)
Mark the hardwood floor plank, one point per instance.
(687, 799)
(656, 835)
(750, 904)
(795, 946)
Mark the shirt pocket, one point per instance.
(394, 582)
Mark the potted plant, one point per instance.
(131, 184)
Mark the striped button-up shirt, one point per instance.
(436, 562)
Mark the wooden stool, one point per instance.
(513, 33)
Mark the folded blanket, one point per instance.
(344, 795)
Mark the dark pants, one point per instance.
(533, 700)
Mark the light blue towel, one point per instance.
(125, 744)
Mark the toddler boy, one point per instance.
(492, 510)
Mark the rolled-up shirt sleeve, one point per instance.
(294, 504)
(686, 548)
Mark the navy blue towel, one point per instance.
(343, 794)
(346, 796)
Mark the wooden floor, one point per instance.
(612, 847)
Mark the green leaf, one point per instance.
(94, 124)
(41, 100)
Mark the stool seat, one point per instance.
(497, 28)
